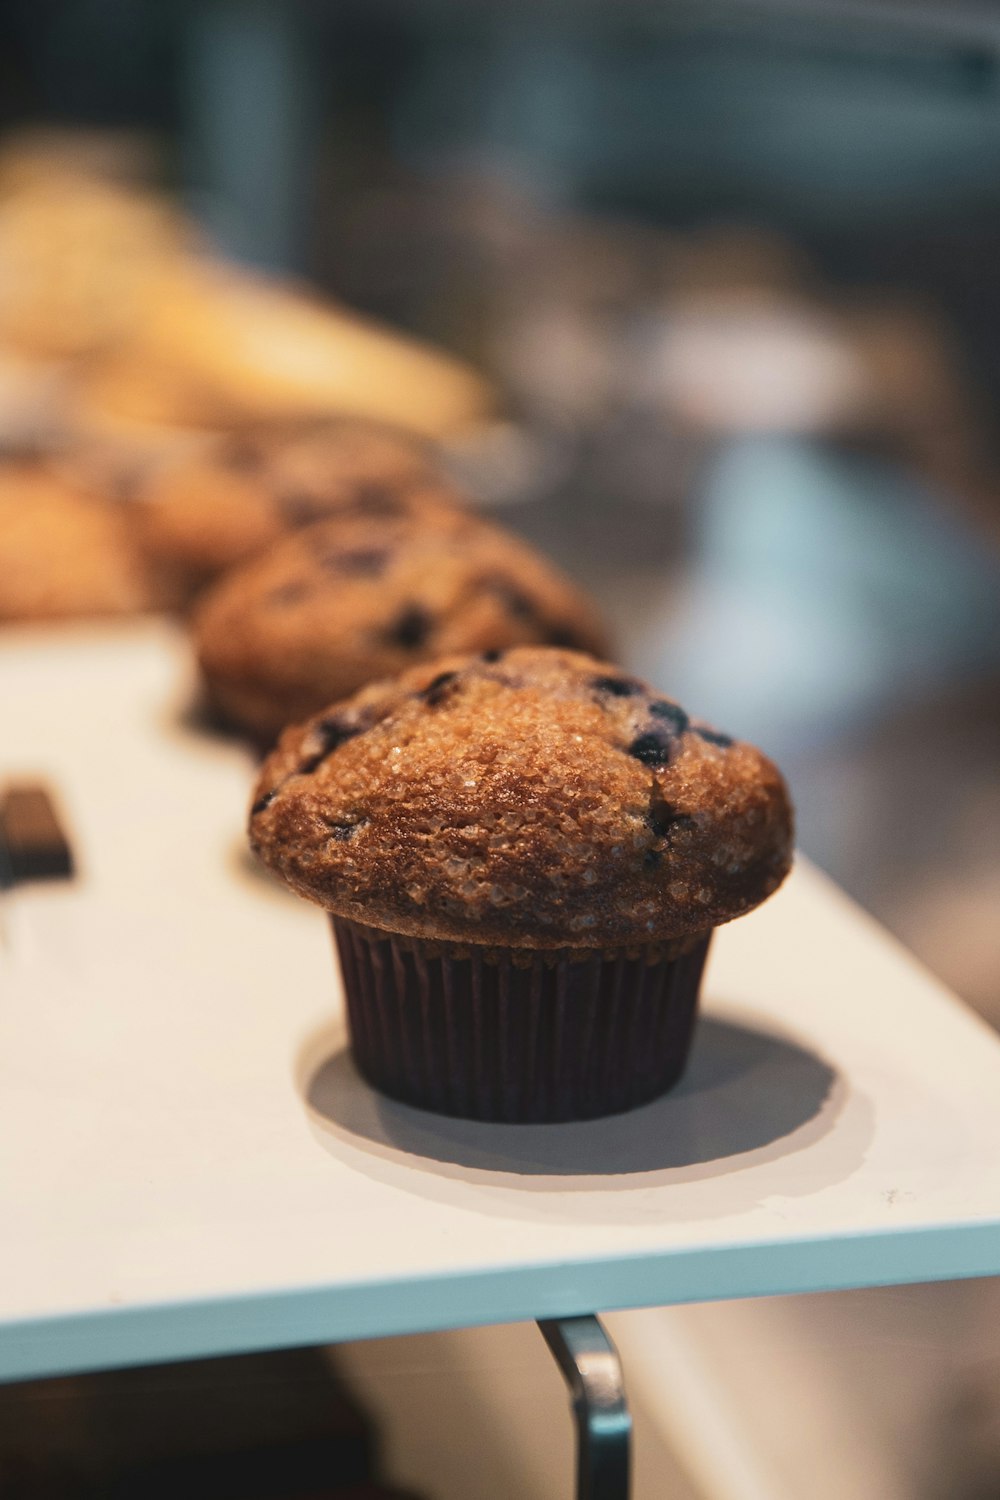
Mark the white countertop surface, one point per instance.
(189, 1164)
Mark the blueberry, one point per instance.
(311, 762)
(491, 656)
(410, 628)
(263, 802)
(671, 714)
(652, 749)
(662, 820)
(616, 687)
(713, 737)
(437, 690)
(331, 734)
(341, 832)
(661, 817)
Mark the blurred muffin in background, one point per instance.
(228, 500)
(64, 554)
(391, 582)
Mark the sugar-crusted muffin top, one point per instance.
(533, 798)
(365, 594)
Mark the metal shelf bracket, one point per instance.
(591, 1369)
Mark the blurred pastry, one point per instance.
(394, 580)
(65, 554)
(32, 393)
(742, 362)
(77, 255)
(228, 500)
(32, 154)
(222, 346)
(167, 345)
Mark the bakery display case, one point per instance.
(526, 375)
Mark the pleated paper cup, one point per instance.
(518, 1035)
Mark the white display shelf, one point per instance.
(189, 1165)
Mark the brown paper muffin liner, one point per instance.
(516, 1035)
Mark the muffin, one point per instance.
(524, 854)
(394, 579)
(222, 503)
(65, 554)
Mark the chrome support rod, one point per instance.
(591, 1369)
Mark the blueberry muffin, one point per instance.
(524, 853)
(65, 554)
(220, 504)
(394, 579)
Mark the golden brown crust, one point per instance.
(536, 799)
(395, 579)
(64, 554)
(224, 503)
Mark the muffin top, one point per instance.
(229, 499)
(65, 554)
(396, 578)
(533, 798)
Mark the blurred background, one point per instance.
(731, 269)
